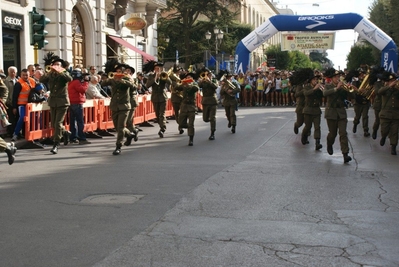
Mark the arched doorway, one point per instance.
(78, 39)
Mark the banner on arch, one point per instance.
(307, 41)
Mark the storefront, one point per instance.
(12, 25)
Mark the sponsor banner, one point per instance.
(307, 41)
(259, 35)
(372, 34)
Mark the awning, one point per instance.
(132, 47)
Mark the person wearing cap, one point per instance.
(120, 104)
(20, 98)
(228, 93)
(335, 112)
(361, 105)
(377, 102)
(313, 92)
(389, 114)
(188, 105)
(158, 80)
(175, 97)
(36, 94)
(129, 71)
(57, 80)
(209, 100)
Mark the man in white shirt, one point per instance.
(93, 91)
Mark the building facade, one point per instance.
(83, 32)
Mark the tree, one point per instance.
(185, 22)
(281, 57)
(359, 55)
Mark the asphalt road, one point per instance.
(255, 198)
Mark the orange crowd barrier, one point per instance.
(96, 112)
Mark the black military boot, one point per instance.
(354, 128)
(296, 130)
(10, 151)
(66, 136)
(304, 139)
(366, 134)
(129, 139)
(393, 149)
(136, 136)
(318, 145)
(382, 141)
(160, 133)
(233, 129)
(54, 150)
(212, 137)
(374, 134)
(181, 131)
(330, 149)
(117, 150)
(191, 141)
(347, 158)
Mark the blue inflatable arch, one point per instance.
(365, 28)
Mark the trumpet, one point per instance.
(111, 75)
(48, 68)
(348, 88)
(163, 76)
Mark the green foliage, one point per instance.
(359, 55)
(186, 22)
(298, 60)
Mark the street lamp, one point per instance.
(218, 40)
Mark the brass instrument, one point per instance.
(163, 76)
(365, 89)
(48, 68)
(229, 84)
(111, 75)
(348, 88)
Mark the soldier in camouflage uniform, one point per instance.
(129, 71)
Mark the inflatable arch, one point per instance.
(365, 28)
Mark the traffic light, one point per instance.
(37, 24)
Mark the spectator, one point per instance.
(77, 96)
(93, 91)
(92, 71)
(31, 70)
(10, 81)
(20, 98)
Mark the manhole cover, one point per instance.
(112, 199)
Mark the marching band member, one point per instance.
(389, 114)
(188, 105)
(297, 80)
(158, 80)
(313, 92)
(377, 83)
(120, 101)
(129, 71)
(209, 99)
(336, 93)
(362, 104)
(57, 79)
(228, 93)
(9, 149)
(176, 97)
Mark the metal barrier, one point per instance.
(96, 112)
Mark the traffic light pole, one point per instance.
(36, 54)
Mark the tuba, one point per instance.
(366, 90)
(229, 84)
